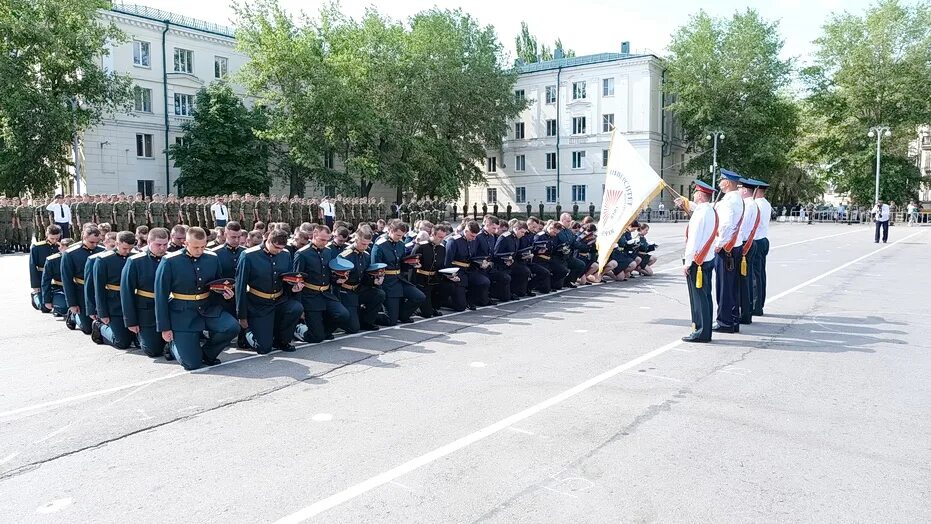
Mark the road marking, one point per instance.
(411, 465)
(52, 434)
(322, 417)
(477, 364)
(8, 458)
(518, 430)
(55, 506)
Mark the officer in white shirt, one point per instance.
(329, 212)
(728, 247)
(881, 217)
(698, 261)
(221, 213)
(760, 249)
(61, 215)
(748, 230)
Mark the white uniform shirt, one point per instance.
(766, 213)
(61, 211)
(881, 214)
(730, 209)
(750, 214)
(220, 211)
(328, 209)
(701, 227)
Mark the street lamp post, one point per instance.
(715, 136)
(879, 132)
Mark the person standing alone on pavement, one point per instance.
(881, 217)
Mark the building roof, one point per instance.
(575, 61)
(159, 15)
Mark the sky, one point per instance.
(585, 26)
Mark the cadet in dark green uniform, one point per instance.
(296, 213)
(235, 207)
(40, 218)
(261, 209)
(404, 210)
(121, 212)
(158, 210)
(25, 223)
(248, 213)
(104, 211)
(6, 226)
(140, 210)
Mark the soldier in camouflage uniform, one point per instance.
(234, 204)
(248, 213)
(315, 212)
(140, 212)
(6, 225)
(414, 208)
(404, 210)
(296, 212)
(203, 213)
(104, 211)
(261, 209)
(274, 212)
(173, 215)
(157, 212)
(121, 212)
(25, 223)
(40, 217)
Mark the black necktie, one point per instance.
(62, 206)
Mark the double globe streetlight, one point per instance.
(878, 132)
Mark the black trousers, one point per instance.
(520, 279)
(500, 283)
(758, 255)
(726, 267)
(745, 285)
(541, 278)
(477, 285)
(700, 299)
(558, 273)
(884, 226)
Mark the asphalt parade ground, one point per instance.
(582, 406)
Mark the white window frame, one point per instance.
(555, 127)
(181, 141)
(578, 90)
(223, 64)
(553, 163)
(579, 190)
(551, 191)
(607, 86)
(140, 59)
(520, 194)
(519, 131)
(492, 164)
(141, 102)
(550, 94)
(607, 122)
(604, 158)
(579, 125)
(520, 163)
(578, 159)
(145, 142)
(492, 194)
(184, 61)
(184, 104)
(520, 95)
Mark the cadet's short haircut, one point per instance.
(126, 237)
(342, 232)
(196, 233)
(321, 227)
(590, 227)
(65, 242)
(490, 219)
(518, 224)
(142, 230)
(158, 233)
(426, 225)
(233, 226)
(533, 220)
(397, 225)
(256, 236)
(307, 226)
(90, 230)
(472, 226)
(363, 233)
(112, 234)
(634, 224)
(301, 234)
(179, 229)
(105, 227)
(588, 220)
(53, 230)
(278, 237)
(444, 227)
(259, 226)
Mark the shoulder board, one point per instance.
(73, 248)
(409, 245)
(346, 252)
(53, 257)
(103, 254)
(211, 253)
(305, 248)
(506, 234)
(381, 240)
(140, 254)
(216, 247)
(40, 243)
(172, 254)
(456, 237)
(253, 249)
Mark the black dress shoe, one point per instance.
(405, 321)
(95, 332)
(690, 338)
(471, 307)
(70, 322)
(369, 328)
(329, 337)
(169, 356)
(531, 294)
(241, 342)
(572, 285)
(211, 362)
(437, 313)
(287, 348)
(758, 313)
(492, 302)
(718, 328)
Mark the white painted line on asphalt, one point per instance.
(52, 434)
(518, 430)
(651, 375)
(55, 506)
(8, 458)
(388, 476)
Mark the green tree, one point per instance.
(870, 69)
(530, 51)
(726, 75)
(53, 87)
(221, 152)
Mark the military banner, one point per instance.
(629, 185)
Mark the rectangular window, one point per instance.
(550, 94)
(578, 157)
(578, 125)
(184, 104)
(492, 164)
(520, 163)
(607, 123)
(181, 141)
(607, 87)
(578, 90)
(220, 66)
(143, 99)
(492, 195)
(520, 194)
(143, 145)
(329, 160)
(519, 95)
(578, 193)
(518, 130)
(146, 187)
(551, 128)
(604, 158)
(141, 56)
(551, 160)
(550, 194)
(184, 60)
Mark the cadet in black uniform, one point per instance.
(264, 305)
(545, 245)
(137, 293)
(460, 251)
(110, 327)
(73, 262)
(499, 274)
(508, 247)
(360, 295)
(38, 253)
(53, 294)
(323, 312)
(401, 297)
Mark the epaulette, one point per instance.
(211, 253)
(52, 257)
(74, 247)
(40, 243)
(506, 234)
(305, 248)
(253, 249)
(346, 252)
(173, 254)
(381, 240)
(455, 237)
(103, 254)
(216, 247)
(140, 254)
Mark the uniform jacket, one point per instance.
(137, 286)
(181, 273)
(108, 271)
(73, 262)
(261, 271)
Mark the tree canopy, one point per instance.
(529, 50)
(53, 87)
